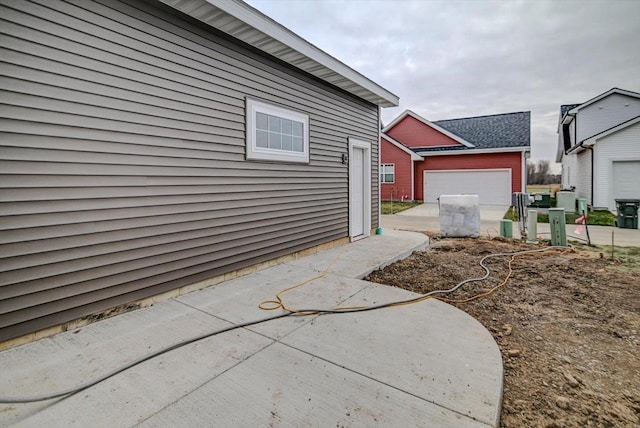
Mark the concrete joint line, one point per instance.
(205, 383)
(388, 385)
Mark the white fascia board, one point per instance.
(568, 118)
(604, 95)
(559, 152)
(395, 121)
(251, 26)
(416, 116)
(578, 148)
(476, 151)
(414, 156)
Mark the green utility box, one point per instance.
(627, 213)
(582, 206)
(541, 200)
(506, 228)
(558, 227)
(567, 200)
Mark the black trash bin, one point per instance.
(627, 213)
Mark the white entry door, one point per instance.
(359, 189)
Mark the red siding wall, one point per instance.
(413, 133)
(402, 160)
(480, 161)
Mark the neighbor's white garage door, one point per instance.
(626, 176)
(492, 185)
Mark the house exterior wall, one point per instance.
(569, 170)
(401, 188)
(623, 145)
(583, 175)
(605, 114)
(123, 166)
(478, 161)
(414, 133)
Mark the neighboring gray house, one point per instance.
(599, 147)
(151, 145)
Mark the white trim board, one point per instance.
(245, 23)
(414, 156)
(366, 147)
(476, 151)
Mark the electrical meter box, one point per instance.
(566, 200)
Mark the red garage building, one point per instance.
(484, 155)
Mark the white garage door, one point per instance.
(492, 185)
(626, 176)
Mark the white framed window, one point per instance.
(275, 133)
(387, 173)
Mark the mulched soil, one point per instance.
(567, 324)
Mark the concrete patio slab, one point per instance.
(301, 390)
(424, 364)
(428, 361)
(237, 301)
(72, 358)
(365, 258)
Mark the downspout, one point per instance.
(590, 147)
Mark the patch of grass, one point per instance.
(392, 207)
(595, 218)
(511, 214)
(628, 257)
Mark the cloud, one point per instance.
(449, 59)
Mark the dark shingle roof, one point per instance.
(492, 132)
(566, 107)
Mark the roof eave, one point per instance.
(438, 128)
(476, 151)
(604, 95)
(414, 155)
(250, 26)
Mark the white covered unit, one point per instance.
(460, 216)
(493, 186)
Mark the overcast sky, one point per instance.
(451, 59)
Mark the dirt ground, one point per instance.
(567, 325)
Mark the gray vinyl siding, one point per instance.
(123, 170)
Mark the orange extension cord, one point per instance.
(278, 302)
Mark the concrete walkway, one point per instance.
(426, 364)
(425, 219)
(487, 212)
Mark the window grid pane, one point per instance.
(387, 173)
(262, 138)
(262, 121)
(284, 134)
